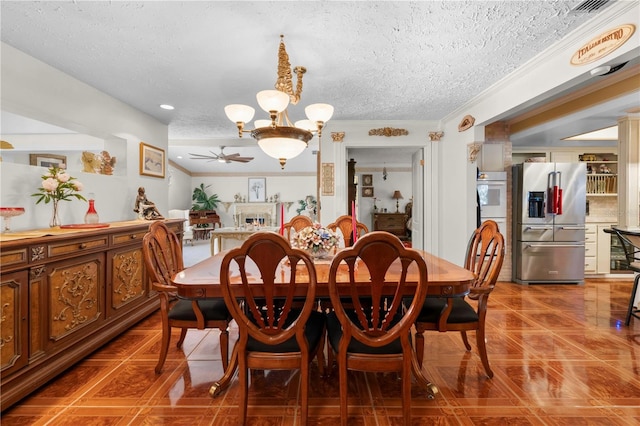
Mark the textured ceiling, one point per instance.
(371, 60)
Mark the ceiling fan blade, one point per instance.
(241, 159)
(202, 157)
(237, 154)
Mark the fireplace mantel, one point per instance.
(266, 211)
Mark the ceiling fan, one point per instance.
(222, 157)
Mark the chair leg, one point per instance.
(406, 394)
(164, 348)
(320, 356)
(243, 381)
(482, 348)
(419, 348)
(304, 392)
(344, 390)
(631, 311)
(224, 347)
(465, 340)
(183, 334)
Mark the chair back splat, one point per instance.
(369, 328)
(296, 224)
(162, 255)
(345, 225)
(273, 331)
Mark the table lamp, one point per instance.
(397, 196)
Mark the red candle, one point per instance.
(281, 219)
(353, 221)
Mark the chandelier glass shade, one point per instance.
(277, 136)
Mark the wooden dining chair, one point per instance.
(162, 254)
(485, 254)
(296, 224)
(273, 332)
(345, 225)
(368, 328)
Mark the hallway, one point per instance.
(561, 355)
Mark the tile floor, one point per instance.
(561, 356)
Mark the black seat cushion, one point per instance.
(462, 312)
(314, 330)
(334, 331)
(212, 310)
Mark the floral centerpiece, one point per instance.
(58, 185)
(316, 240)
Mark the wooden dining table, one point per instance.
(202, 280)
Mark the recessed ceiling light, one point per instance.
(167, 106)
(179, 157)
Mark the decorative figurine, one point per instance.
(145, 208)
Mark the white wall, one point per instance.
(180, 189)
(383, 190)
(289, 188)
(33, 89)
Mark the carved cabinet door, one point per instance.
(75, 290)
(126, 277)
(14, 344)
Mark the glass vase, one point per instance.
(55, 219)
(92, 215)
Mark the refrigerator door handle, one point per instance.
(538, 228)
(574, 228)
(559, 194)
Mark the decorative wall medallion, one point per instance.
(37, 253)
(337, 136)
(435, 136)
(328, 182)
(388, 131)
(474, 150)
(466, 123)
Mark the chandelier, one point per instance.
(277, 137)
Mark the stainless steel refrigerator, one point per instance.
(549, 203)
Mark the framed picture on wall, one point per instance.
(257, 190)
(48, 160)
(151, 160)
(367, 191)
(367, 180)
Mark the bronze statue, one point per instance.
(145, 208)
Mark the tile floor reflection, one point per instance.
(561, 356)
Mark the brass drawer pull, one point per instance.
(82, 245)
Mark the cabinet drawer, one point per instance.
(128, 237)
(590, 249)
(590, 229)
(73, 247)
(13, 257)
(590, 264)
(591, 238)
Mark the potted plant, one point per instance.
(202, 201)
(203, 209)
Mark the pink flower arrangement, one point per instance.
(58, 185)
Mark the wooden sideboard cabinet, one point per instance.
(65, 295)
(395, 223)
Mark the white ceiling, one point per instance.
(382, 60)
